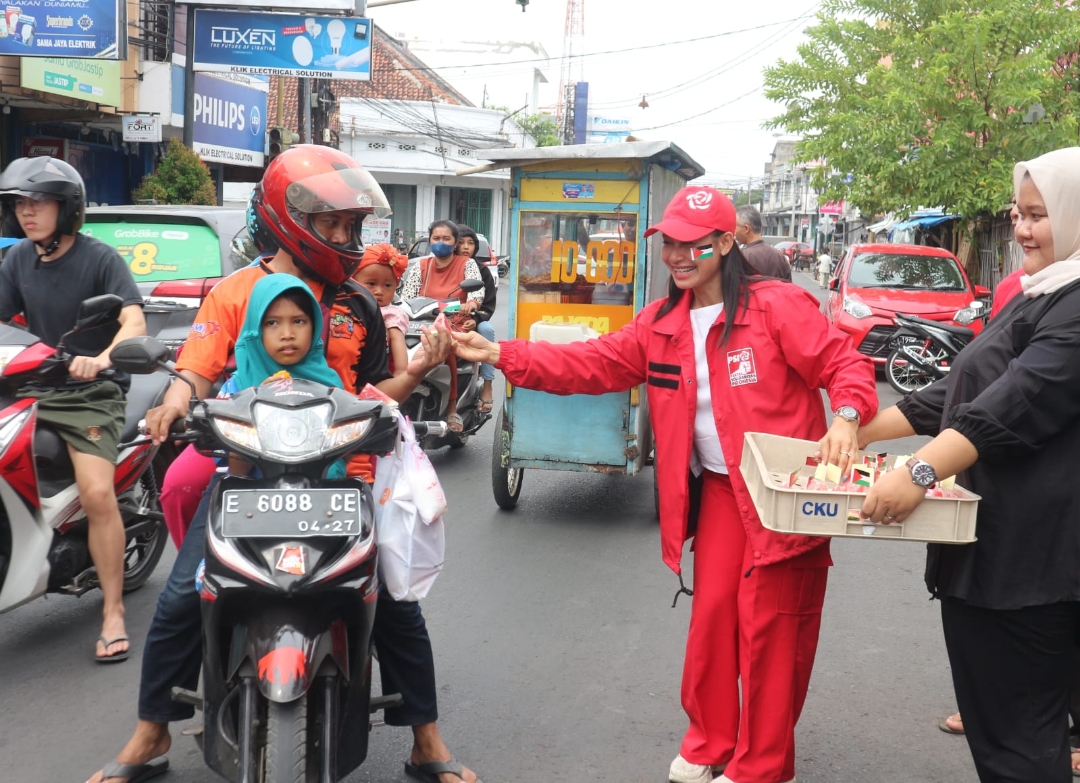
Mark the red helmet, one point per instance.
(306, 180)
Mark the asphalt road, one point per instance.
(557, 650)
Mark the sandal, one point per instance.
(116, 657)
(429, 771)
(484, 406)
(947, 724)
(455, 423)
(135, 773)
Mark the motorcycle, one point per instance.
(923, 351)
(428, 401)
(43, 527)
(289, 583)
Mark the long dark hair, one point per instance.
(735, 277)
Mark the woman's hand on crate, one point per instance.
(841, 445)
(892, 498)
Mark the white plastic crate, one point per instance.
(817, 513)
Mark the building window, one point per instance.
(376, 145)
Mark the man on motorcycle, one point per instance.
(312, 200)
(45, 277)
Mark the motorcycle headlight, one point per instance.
(292, 434)
(341, 434)
(855, 308)
(8, 353)
(967, 315)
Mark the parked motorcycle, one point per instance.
(289, 582)
(428, 401)
(43, 528)
(923, 350)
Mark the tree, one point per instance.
(542, 128)
(912, 103)
(180, 178)
(740, 197)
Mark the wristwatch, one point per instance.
(847, 413)
(922, 473)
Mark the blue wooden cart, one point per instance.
(580, 268)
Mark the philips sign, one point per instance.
(228, 121)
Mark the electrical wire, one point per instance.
(700, 114)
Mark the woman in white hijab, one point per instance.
(1006, 421)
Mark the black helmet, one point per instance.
(43, 176)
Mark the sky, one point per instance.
(698, 62)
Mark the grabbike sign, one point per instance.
(142, 128)
(230, 121)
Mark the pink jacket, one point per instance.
(766, 379)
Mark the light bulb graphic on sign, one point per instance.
(336, 31)
(302, 51)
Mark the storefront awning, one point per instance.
(883, 225)
(926, 221)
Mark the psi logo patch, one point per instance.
(292, 560)
(741, 367)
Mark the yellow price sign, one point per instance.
(604, 261)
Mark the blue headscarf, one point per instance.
(253, 363)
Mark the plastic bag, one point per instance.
(409, 532)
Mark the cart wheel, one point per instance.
(505, 482)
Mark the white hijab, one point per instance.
(1057, 176)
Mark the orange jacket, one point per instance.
(766, 379)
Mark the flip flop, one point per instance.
(453, 419)
(484, 406)
(115, 657)
(429, 771)
(943, 724)
(135, 773)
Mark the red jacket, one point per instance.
(766, 379)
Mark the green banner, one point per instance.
(96, 81)
(162, 251)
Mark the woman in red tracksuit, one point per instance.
(726, 353)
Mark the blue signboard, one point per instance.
(317, 47)
(72, 28)
(230, 121)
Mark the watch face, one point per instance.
(923, 474)
(847, 412)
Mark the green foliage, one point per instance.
(740, 197)
(926, 102)
(542, 128)
(180, 178)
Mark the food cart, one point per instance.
(580, 268)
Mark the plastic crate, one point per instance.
(817, 513)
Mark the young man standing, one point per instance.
(45, 277)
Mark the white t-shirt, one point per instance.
(707, 454)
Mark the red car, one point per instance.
(874, 282)
(798, 254)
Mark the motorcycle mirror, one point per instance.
(140, 355)
(471, 285)
(977, 305)
(97, 311)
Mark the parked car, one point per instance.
(875, 282)
(176, 254)
(799, 254)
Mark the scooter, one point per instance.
(289, 582)
(43, 528)
(923, 351)
(428, 401)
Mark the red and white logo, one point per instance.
(741, 367)
(699, 199)
(292, 560)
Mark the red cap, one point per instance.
(694, 212)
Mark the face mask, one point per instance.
(442, 249)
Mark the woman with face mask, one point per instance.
(439, 273)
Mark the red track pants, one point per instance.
(754, 625)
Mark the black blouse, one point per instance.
(1014, 392)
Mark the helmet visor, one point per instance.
(332, 191)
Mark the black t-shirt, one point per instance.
(491, 291)
(48, 293)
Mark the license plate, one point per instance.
(288, 513)
(416, 326)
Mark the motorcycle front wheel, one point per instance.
(142, 553)
(904, 375)
(286, 742)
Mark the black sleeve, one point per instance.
(1036, 398)
(115, 277)
(372, 365)
(924, 408)
(11, 301)
(491, 291)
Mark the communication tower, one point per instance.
(573, 68)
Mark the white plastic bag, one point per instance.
(409, 504)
